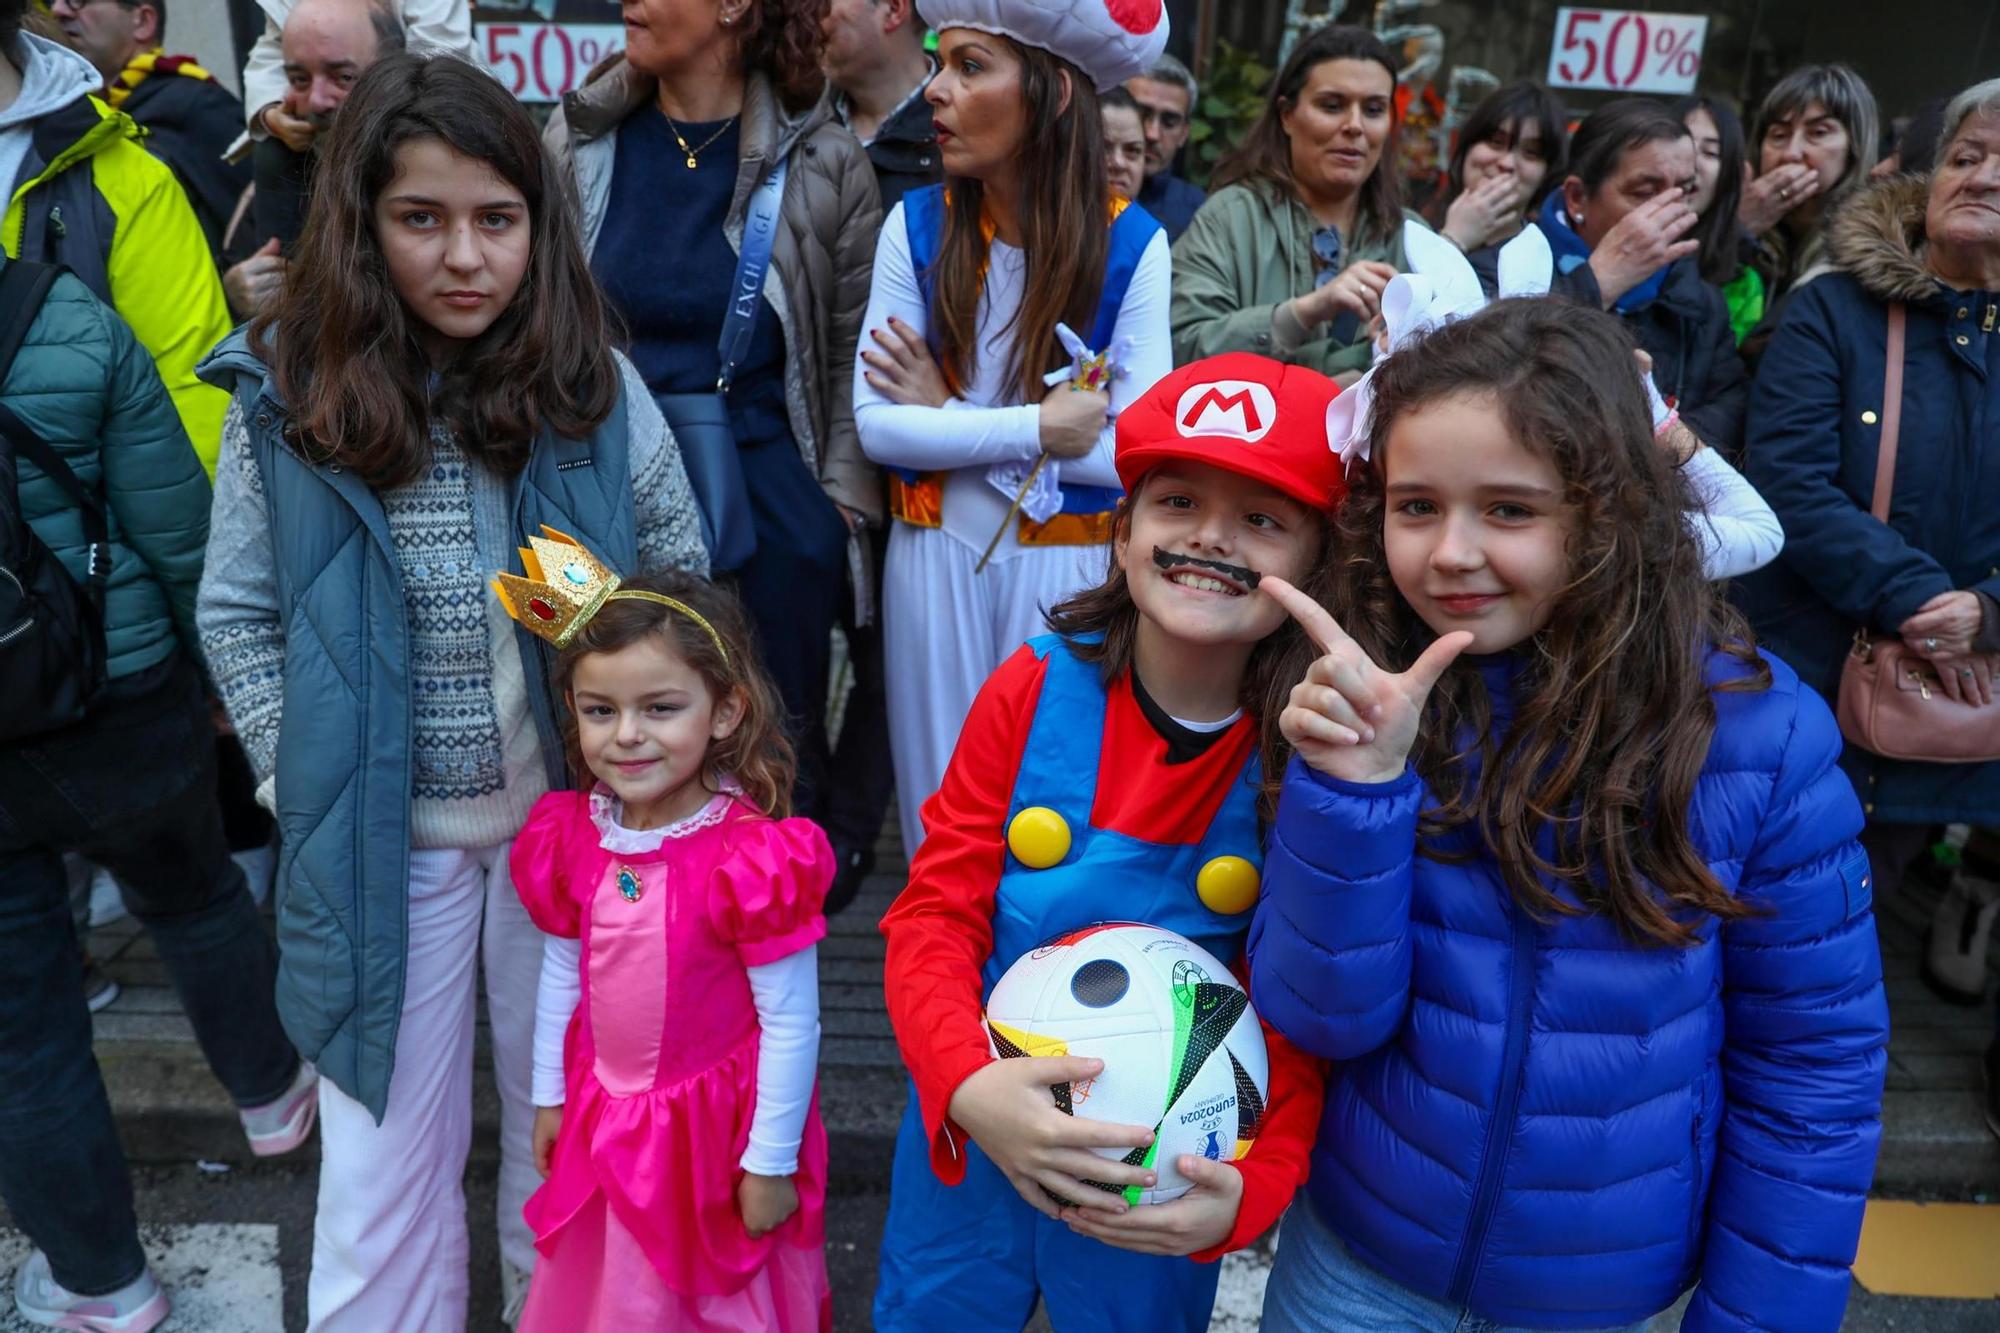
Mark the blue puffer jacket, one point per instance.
(1553, 1127)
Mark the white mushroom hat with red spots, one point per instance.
(1109, 40)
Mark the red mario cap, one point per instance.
(1244, 413)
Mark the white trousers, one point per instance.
(945, 629)
(389, 1241)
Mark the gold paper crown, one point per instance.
(565, 586)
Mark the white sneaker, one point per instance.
(133, 1308)
(260, 866)
(106, 903)
(1960, 934)
(279, 1126)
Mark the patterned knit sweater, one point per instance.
(476, 764)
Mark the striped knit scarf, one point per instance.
(151, 62)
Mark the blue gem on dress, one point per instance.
(628, 884)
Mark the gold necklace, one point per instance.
(675, 130)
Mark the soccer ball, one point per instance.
(1182, 1051)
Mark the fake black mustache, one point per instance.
(1166, 559)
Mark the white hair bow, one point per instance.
(1439, 287)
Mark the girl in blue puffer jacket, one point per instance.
(1564, 879)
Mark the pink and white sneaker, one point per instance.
(133, 1308)
(279, 1126)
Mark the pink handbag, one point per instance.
(1891, 703)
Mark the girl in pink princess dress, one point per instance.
(677, 1027)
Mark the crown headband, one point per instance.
(566, 585)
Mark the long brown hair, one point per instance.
(1612, 716)
(1101, 626)
(344, 348)
(756, 754)
(1064, 200)
(1264, 158)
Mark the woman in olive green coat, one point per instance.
(1289, 256)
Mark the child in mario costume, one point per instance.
(1147, 722)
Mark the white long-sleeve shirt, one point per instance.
(1736, 529)
(985, 424)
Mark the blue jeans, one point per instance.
(1318, 1286)
(131, 787)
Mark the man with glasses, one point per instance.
(1166, 98)
(188, 117)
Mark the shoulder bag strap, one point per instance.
(752, 261)
(1892, 415)
(23, 289)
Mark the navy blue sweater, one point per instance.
(667, 267)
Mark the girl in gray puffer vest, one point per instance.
(436, 380)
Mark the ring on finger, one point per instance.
(1930, 645)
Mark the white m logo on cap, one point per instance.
(1241, 409)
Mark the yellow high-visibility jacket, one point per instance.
(93, 199)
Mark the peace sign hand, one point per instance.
(1349, 718)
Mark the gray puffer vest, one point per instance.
(344, 782)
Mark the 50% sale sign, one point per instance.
(539, 62)
(1624, 51)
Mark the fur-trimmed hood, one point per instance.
(1878, 237)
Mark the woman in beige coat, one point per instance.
(665, 148)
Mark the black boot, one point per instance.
(855, 866)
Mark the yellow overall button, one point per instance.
(1038, 837)
(1228, 885)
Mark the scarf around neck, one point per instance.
(145, 64)
(1572, 254)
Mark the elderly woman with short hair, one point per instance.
(1931, 573)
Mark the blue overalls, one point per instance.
(972, 1257)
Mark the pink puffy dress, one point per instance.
(637, 1225)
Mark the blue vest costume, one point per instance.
(974, 1256)
(916, 497)
(343, 763)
